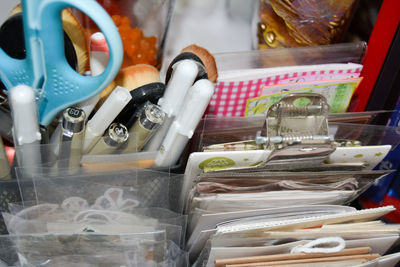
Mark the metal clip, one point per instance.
(296, 130)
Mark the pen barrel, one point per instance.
(196, 102)
(98, 62)
(149, 121)
(29, 159)
(102, 148)
(115, 138)
(138, 137)
(55, 140)
(99, 53)
(71, 139)
(183, 127)
(25, 129)
(183, 75)
(71, 150)
(158, 137)
(172, 147)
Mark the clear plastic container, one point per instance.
(301, 22)
(142, 25)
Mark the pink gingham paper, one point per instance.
(230, 97)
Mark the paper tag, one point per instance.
(338, 94)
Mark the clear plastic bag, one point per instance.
(216, 130)
(174, 257)
(54, 249)
(161, 215)
(138, 198)
(235, 190)
(16, 225)
(70, 218)
(143, 188)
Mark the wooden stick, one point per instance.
(341, 263)
(367, 257)
(280, 257)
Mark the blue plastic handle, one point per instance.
(45, 66)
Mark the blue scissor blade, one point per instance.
(33, 44)
(14, 71)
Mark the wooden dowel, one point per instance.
(280, 257)
(367, 257)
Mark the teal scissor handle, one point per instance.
(45, 66)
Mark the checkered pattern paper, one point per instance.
(230, 97)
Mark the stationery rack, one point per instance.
(222, 159)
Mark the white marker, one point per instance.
(182, 78)
(182, 129)
(26, 127)
(99, 54)
(104, 116)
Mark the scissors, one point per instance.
(45, 67)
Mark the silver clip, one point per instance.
(296, 130)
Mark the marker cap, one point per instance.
(98, 42)
(152, 116)
(116, 135)
(109, 110)
(195, 104)
(74, 119)
(182, 78)
(25, 117)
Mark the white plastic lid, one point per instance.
(113, 105)
(182, 78)
(25, 116)
(194, 105)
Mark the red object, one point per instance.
(98, 43)
(393, 216)
(10, 153)
(379, 44)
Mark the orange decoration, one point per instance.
(138, 48)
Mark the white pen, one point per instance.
(71, 139)
(182, 129)
(182, 78)
(26, 131)
(99, 54)
(96, 126)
